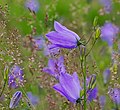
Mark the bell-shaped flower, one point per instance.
(69, 86)
(63, 37)
(55, 67)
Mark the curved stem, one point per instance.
(90, 48)
(89, 38)
(31, 105)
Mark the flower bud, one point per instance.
(15, 99)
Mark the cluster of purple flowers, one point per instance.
(69, 85)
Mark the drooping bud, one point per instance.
(95, 21)
(15, 99)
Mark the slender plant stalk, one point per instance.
(23, 91)
(84, 82)
(83, 67)
(3, 88)
(90, 48)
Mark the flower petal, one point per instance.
(62, 39)
(92, 94)
(62, 29)
(59, 89)
(68, 84)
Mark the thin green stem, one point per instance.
(90, 48)
(83, 68)
(31, 105)
(85, 83)
(3, 87)
(89, 38)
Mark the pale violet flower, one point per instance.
(32, 5)
(109, 32)
(69, 87)
(63, 37)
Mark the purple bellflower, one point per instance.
(107, 5)
(15, 77)
(55, 67)
(15, 99)
(109, 32)
(34, 99)
(106, 75)
(69, 87)
(63, 37)
(32, 5)
(115, 95)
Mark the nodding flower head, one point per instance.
(63, 37)
(69, 87)
(15, 77)
(15, 99)
(32, 5)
